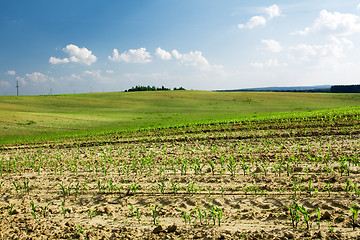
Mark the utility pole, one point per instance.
(17, 88)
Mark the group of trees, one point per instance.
(345, 89)
(151, 88)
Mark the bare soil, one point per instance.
(225, 181)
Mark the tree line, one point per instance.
(151, 88)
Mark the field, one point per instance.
(28, 118)
(287, 176)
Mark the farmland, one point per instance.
(288, 175)
(28, 118)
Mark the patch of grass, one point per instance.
(34, 118)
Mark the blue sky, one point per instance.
(81, 46)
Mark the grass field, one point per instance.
(293, 177)
(29, 118)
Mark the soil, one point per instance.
(227, 181)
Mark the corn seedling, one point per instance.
(232, 166)
(138, 214)
(91, 213)
(305, 214)
(355, 212)
(11, 208)
(293, 214)
(154, 214)
(33, 209)
(44, 209)
(318, 213)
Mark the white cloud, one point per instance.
(333, 23)
(272, 45)
(253, 22)
(334, 49)
(110, 71)
(162, 54)
(132, 56)
(4, 84)
(269, 63)
(273, 11)
(11, 72)
(80, 55)
(358, 7)
(54, 60)
(94, 73)
(195, 59)
(76, 54)
(38, 77)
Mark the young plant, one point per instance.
(44, 209)
(293, 214)
(138, 214)
(154, 214)
(11, 208)
(33, 209)
(355, 212)
(232, 166)
(318, 213)
(305, 214)
(91, 213)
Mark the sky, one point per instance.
(80, 46)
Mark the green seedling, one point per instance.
(33, 209)
(293, 214)
(212, 166)
(65, 190)
(161, 187)
(175, 187)
(318, 213)
(331, 228)
(91, 213)
(154, 214)
(328, 189)
(44, 209)
(63, 209)
(232, 166)
(138, 214)
(306, 216)
(134, 187)
(131, 212)
(11, 208)
(355, 212)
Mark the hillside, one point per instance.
(46, 117)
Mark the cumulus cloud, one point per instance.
(76, 54)
(269, 63)
(273, 11)
(333, 23)
(55, 60)
(162, 54)
(253, 22)
(132, 56)
(4, 84)
(335, 49)
(272, 45)
(11, 72)
(38, 77)
(195, 59)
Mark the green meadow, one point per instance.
(32, 118)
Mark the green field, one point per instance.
(29, 118)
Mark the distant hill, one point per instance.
(319, 88)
